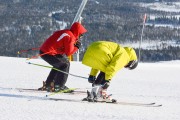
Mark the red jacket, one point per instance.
(62, 41)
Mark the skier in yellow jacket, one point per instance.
(107, 58)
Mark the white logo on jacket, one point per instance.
(61, 37)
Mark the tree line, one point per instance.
(28, 23)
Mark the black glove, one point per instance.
(105, 84)
(77, 44)
(91, 79)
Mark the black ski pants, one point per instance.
(100, 78)
(60, 62)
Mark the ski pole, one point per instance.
(36, 56)
(57, 70)
(23, 51)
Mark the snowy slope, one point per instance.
(150, 82)
(163, 6)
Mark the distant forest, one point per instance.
(165, 20)
(26, 24)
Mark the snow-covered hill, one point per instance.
(150, 82)
(163, 6)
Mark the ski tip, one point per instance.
(114, 101)
(159, 105)
(28, 62)
(84, 99)
(155, 104)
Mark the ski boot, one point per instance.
(57, 88)
(98, 94)
(104, 97)
(93, 95)
(50, 88)
(89, 97)
(43, 88)
(63, 89)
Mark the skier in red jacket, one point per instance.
(55, 51)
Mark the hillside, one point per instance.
(26, 24)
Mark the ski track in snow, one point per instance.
(150, 82)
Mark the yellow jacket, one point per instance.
(108, 57)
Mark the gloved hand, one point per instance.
(77, 44)
(91, 79)
(105, 84)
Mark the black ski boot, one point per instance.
(64, 89)
(88, 98)
(43, 88)
(50, 88)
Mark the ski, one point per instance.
(75, 90)
(115, 103)
(28, 89)
(25, 89)
(153, 104)
(133, 104)
(69, 90)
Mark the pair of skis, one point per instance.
(153, 104)
(74, 91)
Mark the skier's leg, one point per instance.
(51, 60)
(100, 78)
(61, 78)
(51, 76)
(99, 90)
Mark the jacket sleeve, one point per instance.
(118, 62)
(94, 72)
(69, 47)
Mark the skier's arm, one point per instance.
(69, 46)
(118, 62)
(94, 72)
(92, 76)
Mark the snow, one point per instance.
(153, 45)
(150, 82)
(170, 7)
(62, 24)
(163, 6)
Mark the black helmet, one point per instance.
(132, 64)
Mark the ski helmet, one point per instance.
(132, 64)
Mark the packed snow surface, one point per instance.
(150, 82)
